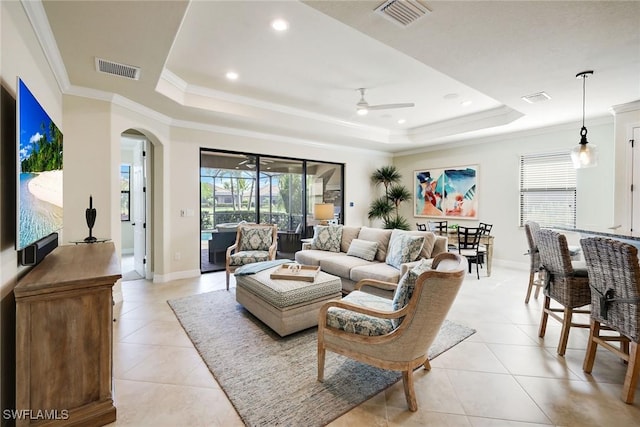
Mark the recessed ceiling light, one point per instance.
(402, 121)
(279, 25)
(466, 103)
(232, 75)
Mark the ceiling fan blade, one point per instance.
(390, 106)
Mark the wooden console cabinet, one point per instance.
(64, 337)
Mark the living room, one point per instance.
(93, 126)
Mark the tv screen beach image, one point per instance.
(40, 167)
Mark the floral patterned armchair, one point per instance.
(254, 243)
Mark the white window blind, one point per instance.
(548, 189)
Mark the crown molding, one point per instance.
(182, 91)
(625, 108)
(505, 137)
(40, 23)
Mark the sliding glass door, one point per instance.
(237, 187)
(324, 194)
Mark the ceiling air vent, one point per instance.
(402, 12)
(117, 69)
(536, 97)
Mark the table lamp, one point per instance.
(323, 212)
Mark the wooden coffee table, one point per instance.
(286, 306)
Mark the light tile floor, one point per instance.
(503, 375)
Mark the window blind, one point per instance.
(548, 189)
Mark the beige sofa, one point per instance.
(351, 269)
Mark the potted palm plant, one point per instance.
(387, 207)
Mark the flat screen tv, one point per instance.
(39, 204)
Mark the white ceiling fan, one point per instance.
(363, 107)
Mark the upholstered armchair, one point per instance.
(393, 334)
(254, 243)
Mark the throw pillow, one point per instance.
(363, 249)
(403, 248)
(327, 238)
(406, 286)
(255, 239)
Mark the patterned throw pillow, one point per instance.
(403, 248)
(255, 239)
(363, 249)
(405, 288)
(327, 238)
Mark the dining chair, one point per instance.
(439, 227)
(482, 248)
(421, 227)
(614, 276)
(566, 282)
(392, 334)
(531, 229)
(468, 241)
(254, 243)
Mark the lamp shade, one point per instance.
(584, 156)
(323, 211)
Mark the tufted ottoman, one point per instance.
(286, 306)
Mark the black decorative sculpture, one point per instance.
(90, 214)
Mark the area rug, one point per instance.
(272, 380)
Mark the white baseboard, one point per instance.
(176, 275)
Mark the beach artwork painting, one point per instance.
(446, 192)
(40, 169)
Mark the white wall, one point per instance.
(498, 161)
(184, 187)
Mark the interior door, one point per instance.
(138, 205)
(635, 181)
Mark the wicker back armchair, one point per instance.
(531, 229)
(361, 326)
(565, 283)
(614, 276)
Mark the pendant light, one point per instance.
(583, 155)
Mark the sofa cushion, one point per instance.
(358, 323)
(342, 265)
(379, 235)
(404, 248)
(429, 241)
(255, 238)
(313, 256)
(406, 286)
(363, 249)
(327, 238)
(348, 234)
(375, 270)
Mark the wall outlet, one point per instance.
(177, 256)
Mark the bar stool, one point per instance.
(565, 282)
(531, 229)
(614, 276)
